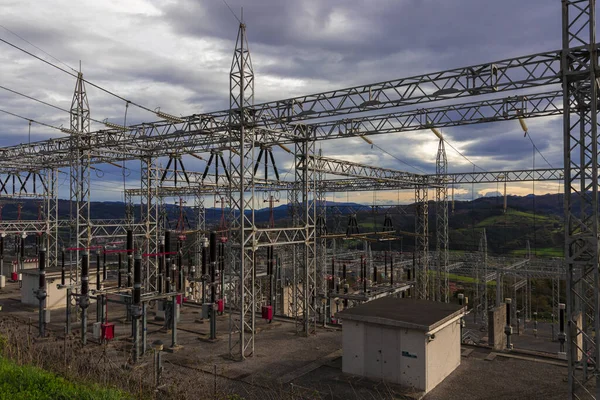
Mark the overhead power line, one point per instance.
(233, 13)
(398, 159)
(538, 150)
(463, 156)
(31, 44)
(34, 99)
(46, 103)
(76, 76)
(30, 120)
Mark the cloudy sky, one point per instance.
(176, 55)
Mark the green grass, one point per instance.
(466, 279)
(370, 225)
(31, 383)
(541, 252)
(513, 217)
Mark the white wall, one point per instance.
(443, 354)
(57, 298)
(378, 352)
(353, 340)
(399, 355)
(412, 358)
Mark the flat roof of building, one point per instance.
(423, 315)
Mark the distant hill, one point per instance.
(537, 219)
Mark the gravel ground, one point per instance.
(502, 378)
(285, 365)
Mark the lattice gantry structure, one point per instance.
(561, 82)
(579, 66)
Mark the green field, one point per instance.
(30, 383)
(466, 279)
(513, 217)
(541, 252)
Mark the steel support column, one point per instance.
(241, 196)
(441, 224)
(580, 98)
(80, 172)
(422, 242)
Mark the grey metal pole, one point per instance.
(41, 293)
(84, 300)
(98, 279)
(62, 267)
(104, 276)
(203, 271)
(213, 267)
(161, 267)
(508, 328)
(174, 323)
(135, 307)
(129, 255)
(2, 254)
(144, 326)
(562, 336)
(68, 311)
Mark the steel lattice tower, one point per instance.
(441, 222)
(80, 171)
(422, 242)
(579, 63)
(241, 195)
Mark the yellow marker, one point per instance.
(523, 124)
(437, 133)
(366, 139)
(284, 148)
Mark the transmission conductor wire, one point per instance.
(33, 45)
(77, 76)
(29, 119)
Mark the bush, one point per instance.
(31, 383)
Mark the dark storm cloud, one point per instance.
(178, 57)
(308, 35)
(509, 148)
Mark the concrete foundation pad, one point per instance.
(466, 352)
(207, 339)
(309, 367)
(173, 349)
(532, 359)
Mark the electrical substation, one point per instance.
(315, 301)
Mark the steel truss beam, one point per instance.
(483, 111)
(201, 133)
(510, 74)
(348, 168)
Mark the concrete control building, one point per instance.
(413, 343)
